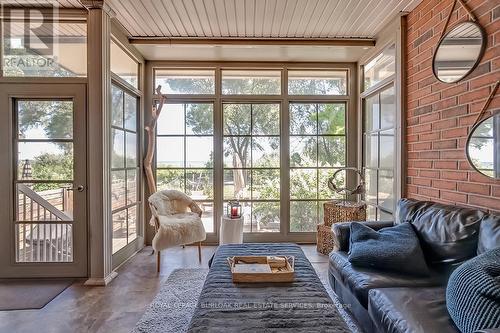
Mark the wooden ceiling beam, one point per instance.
(253, 41)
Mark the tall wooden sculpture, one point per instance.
(158, 102)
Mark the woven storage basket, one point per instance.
(337, 211)
(342, 211)
(324, 236)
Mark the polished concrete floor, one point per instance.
(117, 307)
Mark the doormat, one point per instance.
(24, 294)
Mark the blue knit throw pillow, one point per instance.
(473, 293)
(394, 249)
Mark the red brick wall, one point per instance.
(439, 115)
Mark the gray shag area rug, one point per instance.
(173, 307)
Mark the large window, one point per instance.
(252, 163)
(184, 154)
(317, 147)
(124, 167)
(244, 133)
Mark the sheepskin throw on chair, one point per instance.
(175, 225)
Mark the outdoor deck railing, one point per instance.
(44, 229)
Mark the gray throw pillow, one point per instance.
(395, 249)
(473, 293)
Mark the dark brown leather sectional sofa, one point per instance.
(391, 302)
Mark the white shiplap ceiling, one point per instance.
(264, 19)
(257, 18)
(249, 18)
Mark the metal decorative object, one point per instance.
(360, 188)
(339, 211)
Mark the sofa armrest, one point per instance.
(342, 232)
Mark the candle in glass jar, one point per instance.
(234, 211)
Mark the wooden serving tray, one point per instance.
(254, 269)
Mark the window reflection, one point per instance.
(317, 147)
(379, 152)
(381, 67)
(49, 53)
(185, 152)
(124, 167)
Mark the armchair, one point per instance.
(174, 224)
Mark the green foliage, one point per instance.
(172, 179)
(185, 85)
(331, 119)
(259, 86)
(266, 213)
(52, 167)
(303, 216)
(199, 181)
(240, 120)
(54, 118)
(199, 118)
(317, 87)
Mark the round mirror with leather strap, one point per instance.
(460, 49)
(483, 142)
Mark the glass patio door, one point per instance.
(379, 153)
(46, 229)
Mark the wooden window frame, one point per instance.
(284, 99)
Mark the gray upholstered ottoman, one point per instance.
(300, 306)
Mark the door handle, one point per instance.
(79, 188)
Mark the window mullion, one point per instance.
(185, 149)
(285, 160)
(251, 168)
(218, 171)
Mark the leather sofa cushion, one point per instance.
(360, 280)
(418, 310)
(489, 233)
(448, 234)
